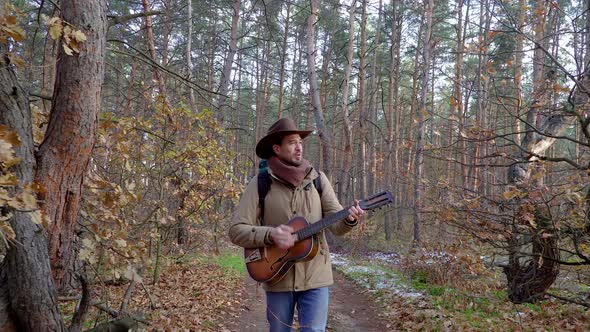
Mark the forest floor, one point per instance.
(370, 293)
(350, 309)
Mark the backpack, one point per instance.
(264, 183)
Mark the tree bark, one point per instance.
(297, 65)
(325, 135)
(152, 48)
(373, 92)
(529, 277)
(457, 98)
(362, 114)
(189, 57)
(28, 299)
(398, 117)
(420, 130)
(283, 61)
(227, 66)
(518, 72)
(211, 40)
(344, 181)
(391, 116)
(65, 152)
(413, 109)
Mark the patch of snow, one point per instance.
(380, 280)
(391, 258)
(338, 260)
(437, 257)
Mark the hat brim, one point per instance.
(264, 146)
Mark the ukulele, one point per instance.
(270, 264)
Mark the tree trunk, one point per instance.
(528, 280)
(463, 117)
(328, 43)
(297, 65)
(373, 92)
(518, 74)
(419, 164)
(393, 118)
(261, 94)
(50, 50)
(362, 114)
(227, 66)
(189, 57)
(457, 98)
(398, 118)
(65, 152)
(152, 48)
(28, 299)
(413, 108)
(325, 135)
(283, 61)
(344, 181)
(27, 283)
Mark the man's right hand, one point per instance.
(282, 237)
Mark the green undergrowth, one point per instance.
(231, 261)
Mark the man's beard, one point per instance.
(295, 163)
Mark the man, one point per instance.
(292, 193)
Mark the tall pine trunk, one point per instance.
(393, 134)
(189, 57)
(373, 92)
(227, 66)
(325, 135)
(362, 113)
(420, 130)
(344, 180)
(283, 62)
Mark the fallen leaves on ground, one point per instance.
(189, 297)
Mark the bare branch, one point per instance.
(114, 20)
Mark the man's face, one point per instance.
(290, 150)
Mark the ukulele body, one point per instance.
(270, 264)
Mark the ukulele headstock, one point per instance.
(376, 200)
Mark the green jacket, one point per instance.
(283, 202)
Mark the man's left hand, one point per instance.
(356, 213)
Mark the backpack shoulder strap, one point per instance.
(317, 182)
(264, 182)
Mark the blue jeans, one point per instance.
(312, 309)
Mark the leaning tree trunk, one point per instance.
(529, 277)
(528, 282)
(65, 152)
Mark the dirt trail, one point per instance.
(350, 310)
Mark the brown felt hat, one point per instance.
(281, 128)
